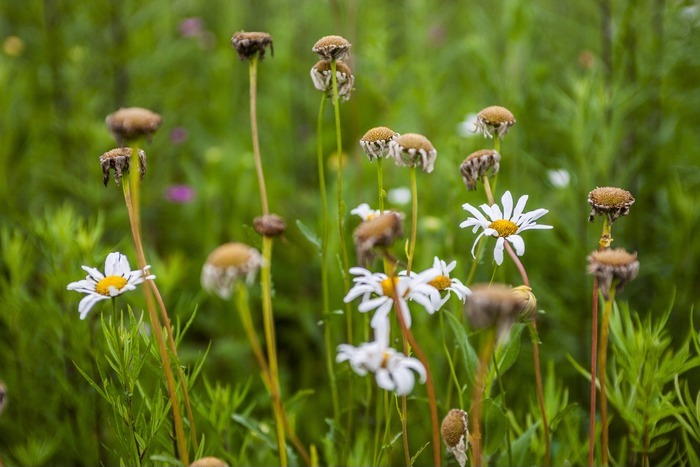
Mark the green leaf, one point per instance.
(469, 357)
(415, 456)
(521, 447)
(310, 236)
(495, 426)
(254, 428)
(562, 415)
(507, 353)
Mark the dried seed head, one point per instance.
(610, 265)
(226, 264)
(455, 433)
(248, 44)
(375, 143)
(209, 462)
(269, 225)
(494, 119)
(131, 123)
(119, 159)
(609, 201)
(321, 75)
(492, 305)
(478, 164)
(332, 48)
(413, 150)
(528, 302)
(379, 231)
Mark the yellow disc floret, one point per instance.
(388, 286)
(102, 287)
(504, 227)
(441, 282)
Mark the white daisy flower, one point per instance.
(392, 370)
(442, 282)
(377, 292)
(505, 225)
(365, 212)
(117, 279)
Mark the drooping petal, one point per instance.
(84, 286)
(384, 380)
(498, 251)
(518, 243)
(87, 303)
(371, 304)
(404, 380)
(475, 242)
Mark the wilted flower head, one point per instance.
(478, 164)
(332, 48)
(528, 302)
(413, 150)
(375, 143)
(119, 160)
(613, 267)
(117, 279)
(130, 123)
(494, 119)
(492, 305)
(609, 201)
(270, 225)
(226, 264)
(321, 75)
(248, 44)
(379, 231)
(455, 434)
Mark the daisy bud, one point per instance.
(321, 76)
(528, 302)
(131, 123)
(613, 265)
(379, 231)
(413, 150)
(209, 462)
(477, 165)
(226, 264)
(247, 44)
(119, 160)
(332, 48)
(609, 201)
(269, 225)
(494, 119)
(375, 143)
(492, 305)
(455, 433)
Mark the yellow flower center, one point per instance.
(103, 286)
(385, 358)
(388, 286)
(441, 282)
(503, 227)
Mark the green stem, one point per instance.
(478, 394)
(505, 407)
(380, 184)
(414, 218)
(254, 131)
(602, 360)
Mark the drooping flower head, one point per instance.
(322, 77)
(494, 120)
(528, 302)
(377, 232)
(455, 434)
(609, 201)
(484, 162)
(492, 305)
(131, 123)
(375, 143)
(248, 44)
(444, 284)
(505, 225)
(226, 264)
(117, 279)
(119, 160)
(413, 150)
(270, 225)
(332, 48)
(610, 265)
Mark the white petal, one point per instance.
(404, 380)
(384, 380)
(518, 243)
(87, 303)
(117, 264)
(475, 212)
(498, 251)
(94, 273)
(519, 207)
(84, 286)
(371, 304)
(507, 201)
(474, 244)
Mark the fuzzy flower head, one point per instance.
(365, 212)
(413, 150)
(375, 143)
(455, 434)
(332, 48)
(119, 160)
(270, 225)
(613, 267)
(322, 77)
(494, 120)
(609, 201)
(247, 44)
(444, 284)
(117, 279)
(377, 232)
(131, 123)
(492, 305)
(505, 225)
(479, 164)
(226, 264)
(528, 302)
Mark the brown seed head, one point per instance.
(119, 159)
(248, 44)
(332, 48)
(209, 462)
(130, 123)
(269, 225)
(609, 201)
(413, 150)
(455, 433)
(379, 231)
(226, 264)
(494, 118)
(528, 302)
(613, 265)
(492, 305)
(375, 143)
(322, 77)
(478, 164)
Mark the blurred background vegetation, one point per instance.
(604, 93)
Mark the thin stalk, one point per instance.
(487, 188)
(132, 210)
(497, 142)
(475, 263)
(254, 132)
(380, 184)
(602, 360)
(414, 218)
(478, 394)
(505, 407)
(450, 363)
(95, 350)
(324, 263)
